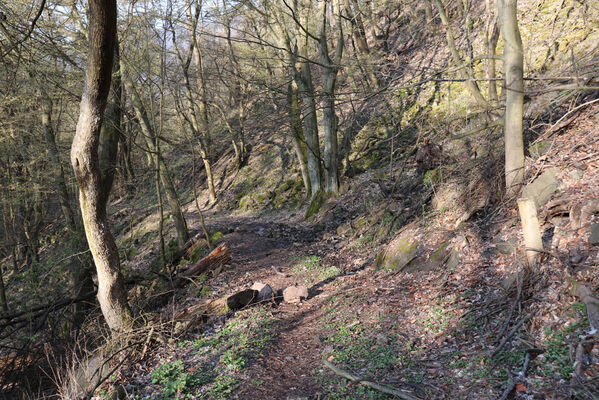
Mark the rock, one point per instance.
(542, 188)
(242, 299)
(431, 261)
(402, 249)
(295, 294)
(264, 291)
(594, 238)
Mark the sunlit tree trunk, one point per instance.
(84, 158)
(297, 134)
(514, 98)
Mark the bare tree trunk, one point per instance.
(297, 135)
(514, 99)
(467, 72)
(84, 158)
(491, 38)
(204, 126)
(149, 135)
(329, 73)
(111, 127)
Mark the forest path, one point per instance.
(272, 250)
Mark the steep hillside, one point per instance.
(412, 282)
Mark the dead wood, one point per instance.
(511, 333)
(372, 385)
(530, 355)
(217, 258)
(27, 315)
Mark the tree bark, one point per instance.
(514, 99)
(329, 73)
(84, 158)
(111, 127)
(297, 134)
(457, 59)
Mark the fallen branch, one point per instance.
(530, 354)
(217, 258)
(40, 310)
(511, 333)
(372, 385)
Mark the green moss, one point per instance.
(317, 202)
(216, 236)
(195, 254)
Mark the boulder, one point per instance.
(402, 249)
(295, 294)
(543, 187)
(264, 291)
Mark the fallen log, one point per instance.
(198, 315)
(217, 258)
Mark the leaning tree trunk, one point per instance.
(84, 158)
(514, 99)
(297, 134)
(149, 135)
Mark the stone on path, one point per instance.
(264, 291)
(295, 294)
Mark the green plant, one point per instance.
(175, 381)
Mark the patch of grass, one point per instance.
(310, 270)
(557, 354)
(230, 351)
(370, 350)
(177, 383)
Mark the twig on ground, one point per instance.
(514, 305)
(373, 385)
(511, 333)
(530, 354)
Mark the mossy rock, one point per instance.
(317, 202)
(398, 253)
(431, 262)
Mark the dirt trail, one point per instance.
(265, 251)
